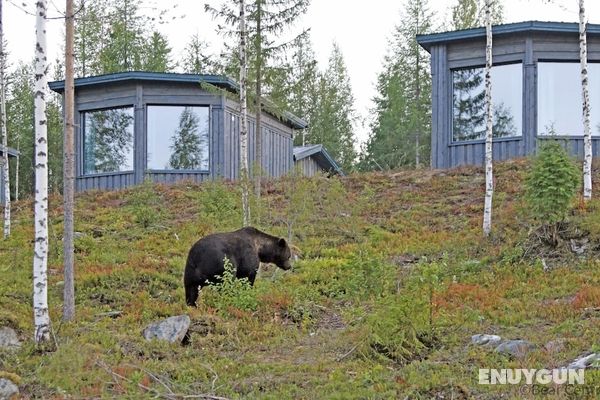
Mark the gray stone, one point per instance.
(7, 389)
(585, 361)
(555, 346)
(172, 329)
(8, 338)
(483, 339)
(515, 348)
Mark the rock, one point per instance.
(172, 329)
(515, 348)
(8, 389)
(482, 339)
(555, 346)
(8, 338)
(78, 235)
(585, 361)
(579, 246)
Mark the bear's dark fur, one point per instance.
(245, 248)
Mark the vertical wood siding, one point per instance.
(308, 166)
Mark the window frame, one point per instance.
(81, 146)
(518, 137)
(178, 171)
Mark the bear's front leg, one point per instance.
(191, 295)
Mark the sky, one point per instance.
(362, 30)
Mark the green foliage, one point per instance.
(146, 205)
(230, 293)
(219, 206)
(471, 13)
(551, 184)
(402, 104)
(116, 36)
(332, 123)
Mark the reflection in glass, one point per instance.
(178, 138)
(559, 98)
(468, 86)
(108, 140)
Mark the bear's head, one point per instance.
(282, 255)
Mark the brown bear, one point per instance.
(245, 248)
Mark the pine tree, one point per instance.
(334, 118)
(157, 57)
(186, 150)
(195, 58)
(471, 14)
(19, 107)
(401, 128)
(303, 84)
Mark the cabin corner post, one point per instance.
(139, 140)
(529, 100)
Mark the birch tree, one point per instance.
(587, 132)
(69, 170)
(244, 115)
(5, 172)
(489, 175)
(40, 254)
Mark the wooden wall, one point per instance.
(527, 49)
(223, 136)
(308, 166)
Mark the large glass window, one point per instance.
(559, 98)
(178, 137)
(468, 87)
(108, 140)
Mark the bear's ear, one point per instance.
(282, 242)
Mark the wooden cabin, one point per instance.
(314, 159)
(536, 90)
(166, 127)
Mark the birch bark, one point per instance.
(489, 174)
(244, 116)
(587, 132)
(40, 255)
(5, 171)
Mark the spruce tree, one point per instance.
(196, 59)
(334, 117)
(400, 131)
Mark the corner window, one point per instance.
(559, 98)
(108, 140)
(178, 138)
(468, 102)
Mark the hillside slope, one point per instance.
(393, 278)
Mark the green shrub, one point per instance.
(145, 205)
(230, 293)
(551, 184)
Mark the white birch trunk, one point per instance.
(40, 254)
(489, 174)
(69, 171)
(5, 175)
(587, 133)
(17, 170)
(244, 117)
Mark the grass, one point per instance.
(393, 279)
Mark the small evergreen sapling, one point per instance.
(551, 184)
